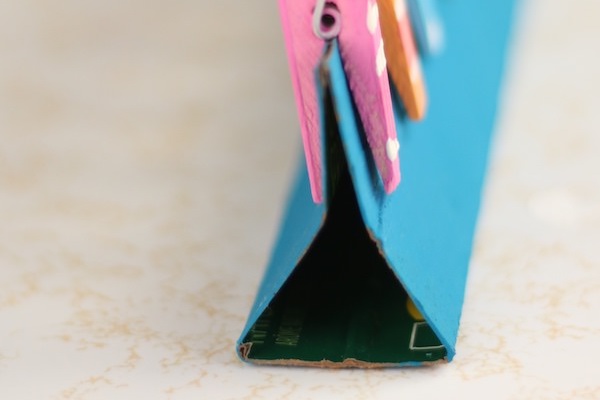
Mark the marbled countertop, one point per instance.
(146, 148)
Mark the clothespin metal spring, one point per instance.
(326, 20)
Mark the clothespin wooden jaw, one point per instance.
(373, 35)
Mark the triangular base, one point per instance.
(342, 305)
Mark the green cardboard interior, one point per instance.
(342, 303)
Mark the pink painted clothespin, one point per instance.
(308, 26)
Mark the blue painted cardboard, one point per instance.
(425, 228)
(427, 26)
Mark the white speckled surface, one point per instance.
(145, 153)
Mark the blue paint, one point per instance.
(427, 26)
(426, 227)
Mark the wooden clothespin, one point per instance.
(355, 24)
(402, 56)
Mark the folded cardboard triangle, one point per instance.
(369, 279)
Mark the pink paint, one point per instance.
(361, 49)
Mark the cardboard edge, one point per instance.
(348, 363)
